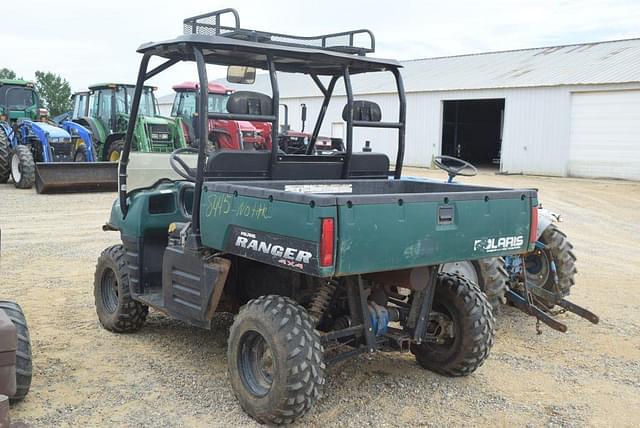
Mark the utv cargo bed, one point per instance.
(379, 225)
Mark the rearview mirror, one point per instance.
(241, 74)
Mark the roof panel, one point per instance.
(590, 63)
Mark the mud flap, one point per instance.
(69, 177)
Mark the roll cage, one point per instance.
(207, 41)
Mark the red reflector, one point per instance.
(534, 225)
(326, 242)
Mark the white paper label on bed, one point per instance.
(318, 188)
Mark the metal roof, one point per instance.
(580, 64)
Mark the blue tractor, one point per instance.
(56, 157)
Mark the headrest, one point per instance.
(366, 111)
(247, 102)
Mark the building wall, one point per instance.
(536, 131)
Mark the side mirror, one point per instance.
(241, 74)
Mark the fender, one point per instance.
(94, 126)
(84, 134)
(545, 218)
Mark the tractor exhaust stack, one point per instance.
(71, 177)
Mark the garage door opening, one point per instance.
(472, 130)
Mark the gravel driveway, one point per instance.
(169, 374)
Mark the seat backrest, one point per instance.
(366, 111)
(247, 102)
(369, 165)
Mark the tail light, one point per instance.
(185, 130)
(326, 242)
(534, 225)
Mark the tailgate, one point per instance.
(376, 234)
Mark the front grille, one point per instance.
(61, 151)
(160, 138)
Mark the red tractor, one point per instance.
(223, 134)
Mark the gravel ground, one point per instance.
(169, 374)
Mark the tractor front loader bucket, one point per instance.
(70, 177)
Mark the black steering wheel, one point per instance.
(180, 166)
(454, 166)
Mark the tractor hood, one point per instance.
(53, 132)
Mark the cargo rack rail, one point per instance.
(358, 42)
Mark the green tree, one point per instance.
(54, 91)
(6, 73)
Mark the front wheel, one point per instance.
(275, 359)
(461, 327)
(23, 167)
(81, 154)
(115, 151)
(117, 311)
(23, 353)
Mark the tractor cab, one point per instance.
(222, 134)
(105, 110)
(19, 100)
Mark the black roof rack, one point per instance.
(358, 42)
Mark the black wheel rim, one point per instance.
(537, 267)
(256, 364)
(109, 291)
(444, 332)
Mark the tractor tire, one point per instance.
(81, 154)
(489, 274)
(23, 168)
(538, 270)
(5, 157)
(275, 359)
(115, 151)
(461, 308)
(117, 311)
(24, 365)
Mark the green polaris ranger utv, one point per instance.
(321, 257)
(105, 110)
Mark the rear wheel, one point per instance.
(23, 168)
(24, 365)
(461, 326)
(115, 150)
(538, 263)
(117, 311)
(5, 156)
(489, 274)
(275, 360)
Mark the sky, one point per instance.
(91, 42)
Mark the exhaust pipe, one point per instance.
(70, 177)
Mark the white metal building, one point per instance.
(566, 110)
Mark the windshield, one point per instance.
(147, 101)
(184, 104)
(17, 97)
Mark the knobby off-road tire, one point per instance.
(117, 311)
(462, 302)
(23, 167)
(24, 368)
(275, 359)
(5, 157)
(489, 274)
(561, 250)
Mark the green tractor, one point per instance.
(105, 111)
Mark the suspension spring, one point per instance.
(321, 300)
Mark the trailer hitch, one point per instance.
(527, 305)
